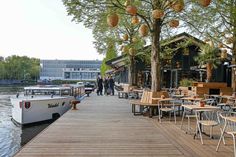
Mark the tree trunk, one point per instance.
(209, 67)
(233, 21)
(155, 57)
(132, 73)
(233, 69)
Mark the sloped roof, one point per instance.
(182, 36)
(176, 38)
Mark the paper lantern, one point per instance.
(178, 6)
(204, 3)
(223, 54)
(220, 45)
(132, 51)
(135, 20)
(157, 13)
(113, 20)
(132, 10)
(174, 23)
(134, 40)
(125, 37)
(143, 30)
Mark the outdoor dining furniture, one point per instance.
(208, 118)
(137, 92)
(193, 108)
(228, 104)
(166, 105)
(229, 128)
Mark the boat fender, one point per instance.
(17, 95)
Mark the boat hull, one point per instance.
(31, 110)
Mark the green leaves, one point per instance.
(208, 54)
(20, 68)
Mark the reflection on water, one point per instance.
(13, 137)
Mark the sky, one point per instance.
(42, 29)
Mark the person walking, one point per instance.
(111, 85)
(100, 85)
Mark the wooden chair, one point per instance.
(206, 118)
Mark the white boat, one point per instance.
(40, 103)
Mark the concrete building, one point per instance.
(69, 69)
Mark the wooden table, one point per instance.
(165, 99)
(198, 107)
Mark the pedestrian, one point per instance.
(100, 85)
(111, 85)
(106, 86)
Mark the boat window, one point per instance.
(65, 92)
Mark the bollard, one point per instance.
(74, 103)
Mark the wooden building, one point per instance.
(180, 65)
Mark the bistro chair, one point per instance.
(189, 114)
(209, 99)
(226, 105)
(229, 128)
(206, 118)
(166, 106)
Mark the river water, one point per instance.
(13, 137)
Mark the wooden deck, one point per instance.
(104, 126)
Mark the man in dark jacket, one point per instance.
(100, 85)
(111, 84)
(106, 86)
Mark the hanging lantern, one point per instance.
(174, 23)
(204, 3)
(157, 13)
(127, 3)
(135, 20)
(178, 6)
(134, 40)
(223, 54)
(125, 37)
(132, 51)
(132, 10)
(143, 30)
(220, 45)
(113, 20)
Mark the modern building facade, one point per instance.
(69, 69)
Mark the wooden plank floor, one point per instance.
(104, 126)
